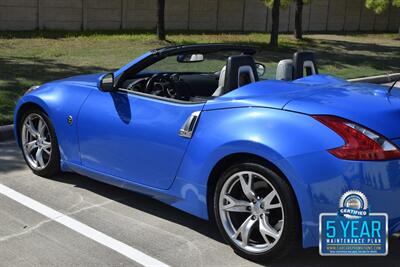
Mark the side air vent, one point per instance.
(190, 124)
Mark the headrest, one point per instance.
(284, 71)
(234, 68)
(304, 62)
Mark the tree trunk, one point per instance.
(298, 29)
(275, 24)
(161, 20)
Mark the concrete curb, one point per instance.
(6, 133)
(381, 79)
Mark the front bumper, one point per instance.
(326, 178)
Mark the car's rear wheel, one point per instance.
(39, 143)
(256, 212)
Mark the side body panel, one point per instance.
(133, 137)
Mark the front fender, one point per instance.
(59, 100)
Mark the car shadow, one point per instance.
(10, 158)
(141, 202)
(303, 257)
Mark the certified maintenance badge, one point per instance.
(353, 230)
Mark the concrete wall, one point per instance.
(209, 15)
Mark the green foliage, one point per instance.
(380, 6)
(286, 3)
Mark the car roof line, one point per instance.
(204, 48)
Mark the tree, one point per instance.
(298, 21)
(275, 5)
(275, 23)
(380, 6)
(161, 20)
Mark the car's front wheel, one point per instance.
(256, 212)
(39, 143)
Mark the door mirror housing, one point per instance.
(260, 69)
(106, 82)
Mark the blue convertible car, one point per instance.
(200, 128)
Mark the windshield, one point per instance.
(213, 62)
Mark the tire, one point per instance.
(49, 165)
(261, 215)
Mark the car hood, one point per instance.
(366, 104)
(86, 80)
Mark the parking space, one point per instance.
(141, 224)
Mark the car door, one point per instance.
(133, 136)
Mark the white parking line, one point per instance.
(81, 228)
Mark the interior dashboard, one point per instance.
(179, 86)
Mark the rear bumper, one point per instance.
(327, 178)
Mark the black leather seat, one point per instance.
(304, 62)
(239, 71)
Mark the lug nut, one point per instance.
(253, 217)
(248, 208)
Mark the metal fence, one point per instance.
(203, 15)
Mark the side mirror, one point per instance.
(106, 83)
(260, 69)
(191, 58)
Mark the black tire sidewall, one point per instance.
(53, 167)
(289, 240)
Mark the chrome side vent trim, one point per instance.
(190, 124)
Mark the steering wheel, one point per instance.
(158, 84)
(168, 85)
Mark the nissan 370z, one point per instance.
(200, 128)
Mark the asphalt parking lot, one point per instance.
(28, 238)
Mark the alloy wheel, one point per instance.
(36, 141)
(251, 211)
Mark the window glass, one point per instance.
(213, 62)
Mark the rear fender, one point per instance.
(272, 134)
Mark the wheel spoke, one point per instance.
(41, 127)
(47, 151)
(46, 144)
(245, 230)
(278, 225)
(266, 202)
(274, 206)
(46, 147)
(246, 187)
(39, 157)
(30, 146)
(235, 205)
(267, 230)
(31, 128)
